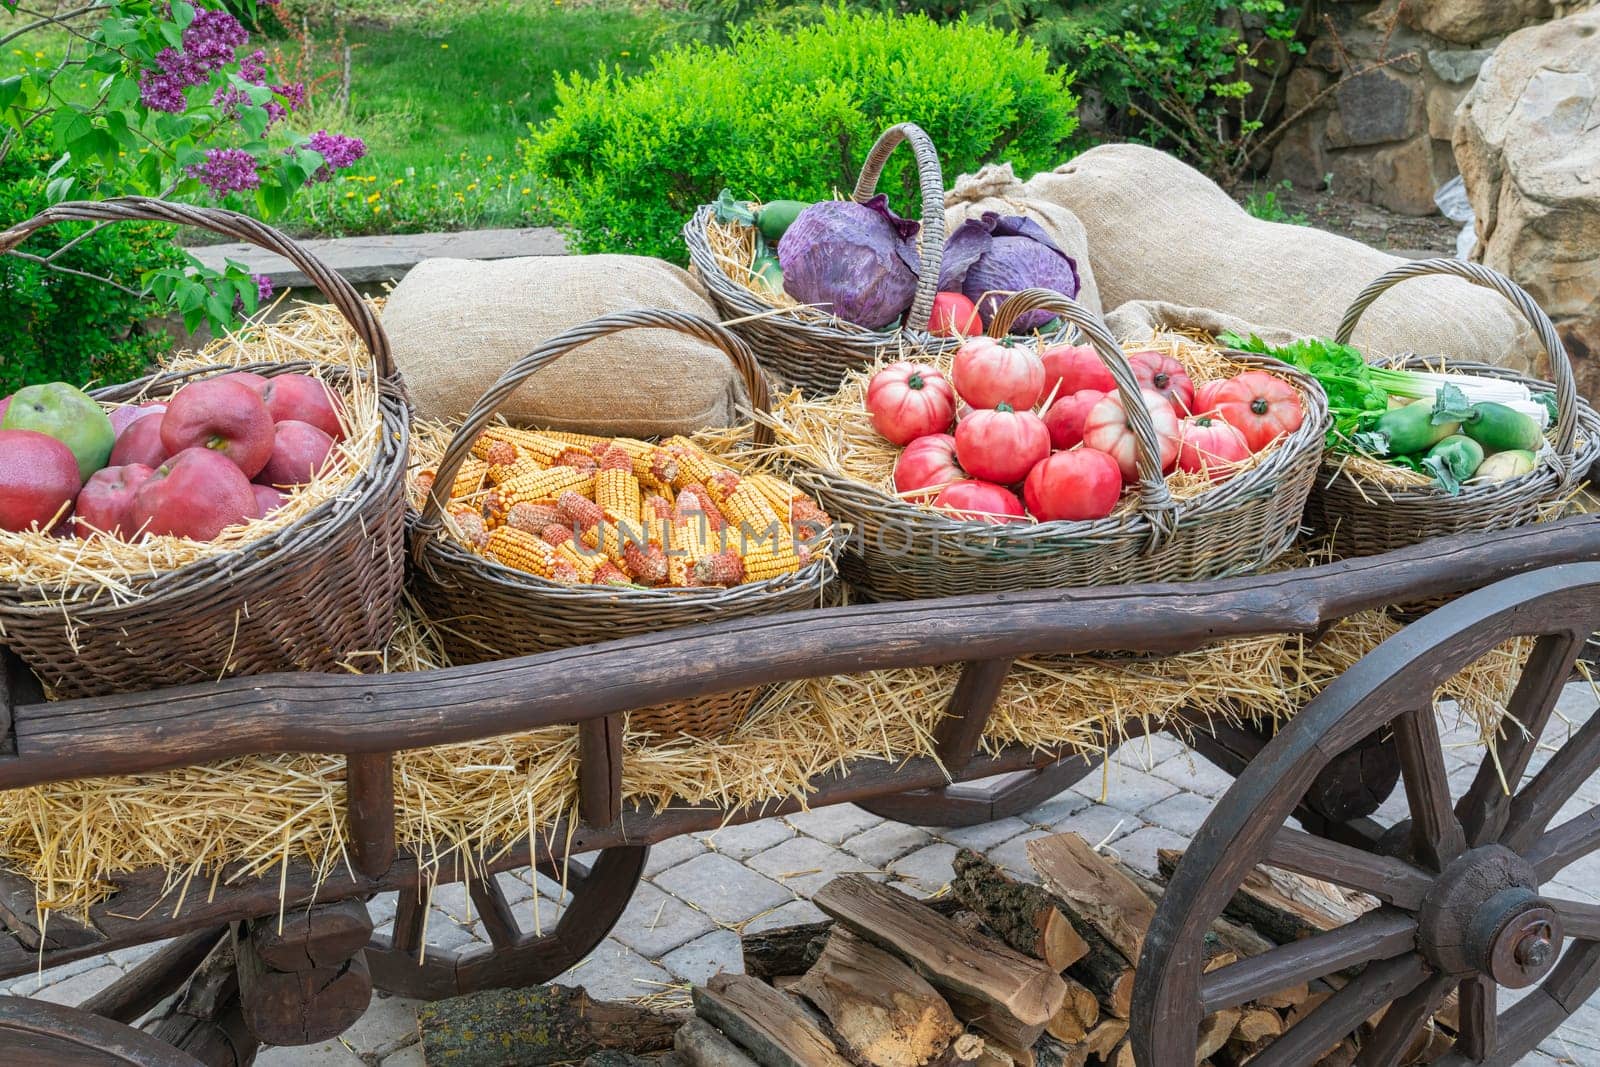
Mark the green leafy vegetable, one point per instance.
(1354, 398)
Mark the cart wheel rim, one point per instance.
(1466, 907)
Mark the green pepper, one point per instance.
(1452, 461)
(1499, 428)
(1411, 429)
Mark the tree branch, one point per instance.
(57, 268)
(43, 20)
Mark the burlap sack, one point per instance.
(1160, 230)
(996, 188)
(1139, 320)
(456, 325)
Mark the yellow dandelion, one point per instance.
(373, 198)
(349, 196)
(624, 52)
(444, 46)
(527, 192)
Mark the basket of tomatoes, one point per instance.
(1011, 464)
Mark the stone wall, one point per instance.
(1385, 137)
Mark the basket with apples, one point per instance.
(1011, 464)
(241, 511)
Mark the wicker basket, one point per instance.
(898, 550)
(484, 610)
(806, 347)
(1368, 519)
(307, 597)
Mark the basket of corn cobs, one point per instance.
(804, 333)
(1424, 447)
(1080, 465)
(241, 512)
(528, 540)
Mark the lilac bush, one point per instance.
(186, 109)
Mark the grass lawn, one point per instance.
(441, 101)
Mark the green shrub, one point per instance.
(65, 327)
(781, 114)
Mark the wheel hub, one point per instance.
(1484, 916)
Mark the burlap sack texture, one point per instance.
(995, 188)
(456, 324)
(1159, 230)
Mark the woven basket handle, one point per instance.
(340, 293)
(547, 353)
(1477, 274)
(932, 176)
(1155, 502)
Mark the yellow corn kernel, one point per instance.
(584, 563)
(500, 473)
(749, 515)
(779, 494)
(581, 440)
(617, 492)
(537, 447)
(543, 487)
(770, 558)
(618, 536)
(693, 464)
(521, 550)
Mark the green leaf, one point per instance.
(1371, 442)
(10, 91)
(1450, 404)
(1443, 476)
(182, 13)
(59, 189)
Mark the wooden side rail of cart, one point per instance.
(240, 978)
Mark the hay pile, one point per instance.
(54, 570)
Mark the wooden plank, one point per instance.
(1103, 895)
(994, 988)
(600, 770)
(46, 1034)
(1022, 914)
(882, 1011)
(773, 1027)
(153, 978)
(205, 1020)
(958, 734)
(138, 733)
(18, 686)
(791, 950)
(369, 810)
(20, 913)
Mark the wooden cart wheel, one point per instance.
(600, 885)
(976, 803)
(36, 1031)
(1465, 905)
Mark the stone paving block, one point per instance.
(1195, 774)
(833, 824)
(381, 907)
(408, 1056)
(705, 956)
(670, 853)
(742, 842)
(444, 932)
(804, 865)
(927, 869)
(451, 898)
(25, 985)
(514, 889)
(886, 842)
(1127, 788)
(615, 972)
(127, 957)
(327, 1054)
(1181, 813)
(655, 923)
(1148, 751)
(725, 889)
(1062, 806)
(389, 1023)
(79, 987)
(984, 835)
(1013, 855)
(794, 913)
(1097, 823)
(1138, 849)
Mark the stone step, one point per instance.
(376, 260)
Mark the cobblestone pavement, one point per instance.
(682, 925)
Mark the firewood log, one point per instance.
(1023, 915)
(1104, 1039)
(699, 1044)
(1077, 1016)
(542, 1025)
(772, 1025)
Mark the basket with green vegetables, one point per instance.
(1454, 429)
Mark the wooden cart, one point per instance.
(1460, 879)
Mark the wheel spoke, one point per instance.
(494, 911)
(1566, 844)
(1577, 919)
(1538, 801)
(1391, 880)
(410, 917)
(1339, 1016)
(1379, 935)
(1402, 1023)
(1484, 808)
(1478, 1005)
(1436, 833)
(1535, 1016)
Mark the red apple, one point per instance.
(194, 494)
(299, 450)
(268, 500)
(254, 382)
(141, 443)
(304, 399)
(38, 479)
(225, 417)
(128, 414)
(106, 497)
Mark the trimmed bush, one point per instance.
(779, 114)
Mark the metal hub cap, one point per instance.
(1518, 938)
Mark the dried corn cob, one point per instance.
(653, 465)
(469, 479)
(616, 490)
(578, 511)
(723, 568)
(647, 564)
(722, 485)
(544, 487)
(555, 534)
(693, 499)
(581, 440)
(469, 525)
(495, 451)
(769, 559)
(530, 445)
(693, 464)
(521, 550)
(748, 513)
(655, 516)
(579, 458)
(424, 482)
(583, 564)
(531, 517)
(609, 573)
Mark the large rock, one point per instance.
(1470, 21)
(1528, 143)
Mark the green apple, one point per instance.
(69, 415)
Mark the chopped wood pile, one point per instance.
(996, 973)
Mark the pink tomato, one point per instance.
(1064, 418)
(954, 316)
(989, 373)
(1162, 374)
(1071, 369)
(1001, 445)
(1076, 485)
(1207, 445)
(1205, 396)
(1107, 430)
(910, 400)
(928, 463)
(980, 502)
(1261, 406)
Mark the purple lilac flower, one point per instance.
(230, 100)
(226, 170)
(337, 151)
(253, 68)
(294, 92)
(211, 41)
(160, 91)
(263, 293)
